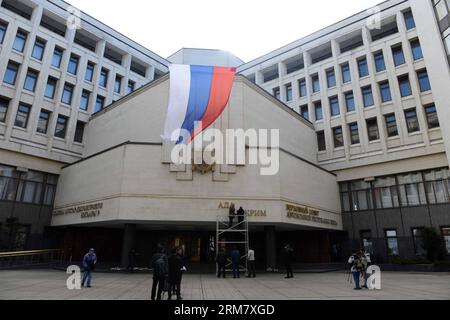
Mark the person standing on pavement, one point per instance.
(356, 267)
(176, 268)
(288, 254)
(235, 261)
(159, 265)
(221, 261)
(251, 263)
(89, 262)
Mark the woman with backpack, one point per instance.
(356, 263)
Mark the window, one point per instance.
(288, 89)
(432, 118)
(3, 28)
(435, 185)
(367, 96)
(392, 243)
(372, 129)
(363, 68)
(61, 126)
(446, 236)
(73, 64)
(11, 73)
(338, 137)
(334, 106)
(321, 141)
(30, 80)
(350, 101)
(391, 125)
(412, 191)
(19, 41)
(79, 132)
(380, 65)
(385, 192)
(424, 82)
(117, 84)
(44, 118)
(130, 87)
(397, 54)
(385, 91)
(418, 241)
(304, 112)
(99, 103)
(318, 111)
(346, 75)
(331, 78)
(38, 49)
(354, 133)
(89, 72)
(416, 50)
(409, 20)
(23, 113)
(366, 241)
(67, 94)
(302, 88)
(4, 104)
(361, 196)
(315, 83)
(84, 102)
(405, 86)
(50, 88)
(103, 80)
(412, 122)
(276, 93)
(57, 57)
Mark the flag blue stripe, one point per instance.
(201, 79)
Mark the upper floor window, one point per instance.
(380, 65)
(391, 125)
(409, 20)
(338, 137)
(22, 116)
(84, 102)
(346, 75)
(61, 126)
(50, 88)
(354, 133)
(99, 103)
(363, 67)
(4, 104)
(130, 87)
(19, 41)
(321, 141)
(73, 64)
(416, 49)
(350, 101)
(117, 84)
(3, 28)
(304, 112)
(367, 96)
(432, 117)
(397, 54)
(103, 80)
(331, 78)
(424, 82)
(385, 91)
(11, 73)
(44, 118)
(57, 57)
(302, 88)
(79, 132)
(372, 129)
(318, 110)
(89, 75)
(334, 106)
(405, 86)
(288, 89)
(67, 94)
(38, 49)
(31, 80)
(315, 83)
(276, 93)
(412, 123)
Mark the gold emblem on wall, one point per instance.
(204, 168)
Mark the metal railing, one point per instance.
(24, 259)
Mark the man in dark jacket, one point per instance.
(235, 261)
(288, 255)
(221, 260)
(160, 269)
(89, 262)
(176, 267)
(240, 216)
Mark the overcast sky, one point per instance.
(247, 28)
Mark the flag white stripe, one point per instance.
(180, 85)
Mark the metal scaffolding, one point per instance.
(229, 236)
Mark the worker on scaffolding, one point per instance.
(232, 214)
(241, 216)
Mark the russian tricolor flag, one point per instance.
(198, 96)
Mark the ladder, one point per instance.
(228, 237)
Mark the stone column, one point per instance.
(129, 234)
(271, 254)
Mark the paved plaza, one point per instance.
(51, 285)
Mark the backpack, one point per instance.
(160, 266)
(359, 264)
